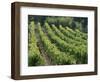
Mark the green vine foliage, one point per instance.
(62, 44)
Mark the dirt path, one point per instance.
(42, 51)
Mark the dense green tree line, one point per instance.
(74, 23)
